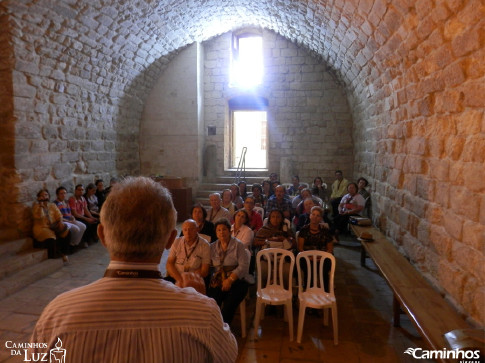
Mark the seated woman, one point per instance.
(241, 230)
(49, 231)
(297, 202)
(351, 204)
(190, 253)
(76, 227)
(236, 198)
(255, 219)
(274, 234)
(92, 200)
(230, 262)
(304, 218)
(316, 236)
(267, 192)
(205, 228)
(319, 188)
(257, 194)
(242, 189)
(227, 201)
(362, 184)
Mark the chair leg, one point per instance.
(257, 316)
(242, 312)
(335, 324)
(289, 310)
(325, 316)
(301, 321)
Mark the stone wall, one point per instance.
(170, 142)
(420, 138)
(309, 120)
(79, 83)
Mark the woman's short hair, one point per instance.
(242, 210)
(198, 205)
(41, 191)
(319, 209)
(364, 179)
(257, 186)
(354, 184)
(223, 221)
(280, 213)
(90, 186)
(138, 217)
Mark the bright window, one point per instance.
(249, 130)
(247, 61)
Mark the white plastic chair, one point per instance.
(314, 295)
(242, 312)
(275, 293)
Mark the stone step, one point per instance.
(10, 264)
(16, 246)
(13, 283)
(8, 234)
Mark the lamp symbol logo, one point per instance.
(58, 354)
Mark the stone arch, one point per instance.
(413, 70)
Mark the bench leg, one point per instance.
(396, 308)
(362, 256)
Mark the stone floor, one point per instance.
(364, 303)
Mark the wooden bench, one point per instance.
(431, 314)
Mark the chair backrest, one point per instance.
(276, 258)
(314, 271)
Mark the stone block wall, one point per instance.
(420, 138)
(309, 119)
(169, 129)
(80, 77)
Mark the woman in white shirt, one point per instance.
(241, 230)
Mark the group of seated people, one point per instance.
(65, 224)
(220, 244)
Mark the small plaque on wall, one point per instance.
(211, 130)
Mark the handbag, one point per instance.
(220, 275)
(60, 229)
(360, 221)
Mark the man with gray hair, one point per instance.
(216, 211)
(190, 253)
(131, 314)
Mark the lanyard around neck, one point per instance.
(133, 274)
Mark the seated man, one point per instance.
(132, 314)
(77, 228)
(280, 202)
(217, 212)
(79, 208)
(295, 189)
(339, 188)
(190, 253)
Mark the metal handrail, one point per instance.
(241, 166)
